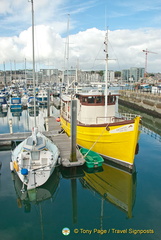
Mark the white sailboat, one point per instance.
(35, 158)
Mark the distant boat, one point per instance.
(31, 101)
(15, 103)
(93, 159)
(3, 102)
(42, 97)
(24, 99)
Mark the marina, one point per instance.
(75, 162)
(108, 199)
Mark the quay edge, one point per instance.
(143, 102)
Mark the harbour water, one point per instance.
(109, 204)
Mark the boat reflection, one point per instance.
(31, 112)
(3, 112)
(37, 195)
(114, 185)
(16, 112)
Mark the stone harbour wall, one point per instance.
(146, 102)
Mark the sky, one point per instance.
(71, 34)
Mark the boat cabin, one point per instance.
(98, 100)
(3, 102)
(91, 108)
(15, 103)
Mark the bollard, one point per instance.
(10, 125)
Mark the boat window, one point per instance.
(63, 107)
(111, 99)
(84, 99)
(15, 101)
(29, 141)
(39, 140)
(1, 100)
(35, 155)
(98, 99)
(77, 96)
(91, 99)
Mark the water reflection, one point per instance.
(38, 195)
(113, 185)
(31, 112)
(3, 113)
(16, 113)
(23, 121)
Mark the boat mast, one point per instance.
(33, 59)
(106, 72)
(67, 52)
(25, 76)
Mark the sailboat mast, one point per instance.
(33, 59)
(106, 72)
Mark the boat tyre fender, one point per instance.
(11, 166)
(137, 149)
(15, 166)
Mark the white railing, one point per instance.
(127, 116)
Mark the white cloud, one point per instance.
(125, 45)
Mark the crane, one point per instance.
(146, 60)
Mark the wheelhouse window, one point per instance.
(84, 99)
(98, 99)
(111, 99)
(91, 99)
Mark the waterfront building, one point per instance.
(133, 74)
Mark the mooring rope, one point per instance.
(97, 140)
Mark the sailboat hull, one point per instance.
(34, 164)
(36, 178)
(116, 141)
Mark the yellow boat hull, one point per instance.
(117, 142)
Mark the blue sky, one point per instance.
(135, 24)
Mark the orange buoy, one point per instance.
(58, 119)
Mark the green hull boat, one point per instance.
(93, 159)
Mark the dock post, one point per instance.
(73, 155)
(47, 124)
(48, 103)
(10, 125)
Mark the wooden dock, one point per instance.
(53, 129)
(61, 140)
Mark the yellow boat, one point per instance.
(113, 185)
(114, 137)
